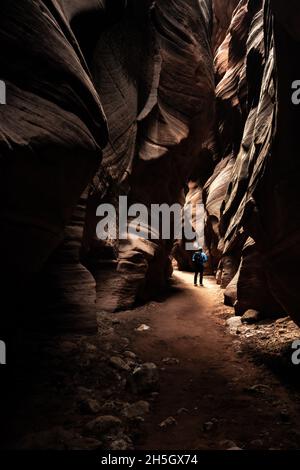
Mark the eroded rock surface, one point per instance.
(168, 115)
(248, 221)
(52, 131)
(83, 68)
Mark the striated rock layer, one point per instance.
(255, 230)
(118, 98)
(157, 89)
(51, 134)
(141, 70)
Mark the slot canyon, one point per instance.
(109, 345)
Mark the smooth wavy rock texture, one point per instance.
(258, 229)
(52, 129)
(157, 89)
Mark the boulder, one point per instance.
(251, 316)
(145, 378)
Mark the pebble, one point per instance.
(208, 426)
(130, 363)
(120, 444)
(89, 406)
(142, 328)
(259, 388)
(182, 411)
(170, 361)
(234, 323)
(228, 444)
(170, 421)
(257, 444)
(251, 316)
(103, 424)
(111, 406)
(154, 396)
(145, 378)
(90, 348)
(84, 391)
(135, 410)
(282, 320)
(123, 342)
(130, 355)
(119, 364)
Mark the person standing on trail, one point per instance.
(199, 259)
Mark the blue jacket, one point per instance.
(200, 258)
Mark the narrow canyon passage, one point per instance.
(215, 392)
(170, 374)
(142, 141)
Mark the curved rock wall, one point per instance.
(251, 276)
(272, 204)
(243, 34)
(51, 134)
(159, 107)
(52, 130)
(222, 17)
(143, 70)
(254, 99)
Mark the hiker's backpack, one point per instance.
(200, 258)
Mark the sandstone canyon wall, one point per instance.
(251, 195)
(161, 77)
(111, 98)
(51, 135)
(104, 98)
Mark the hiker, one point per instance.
(199, 259)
